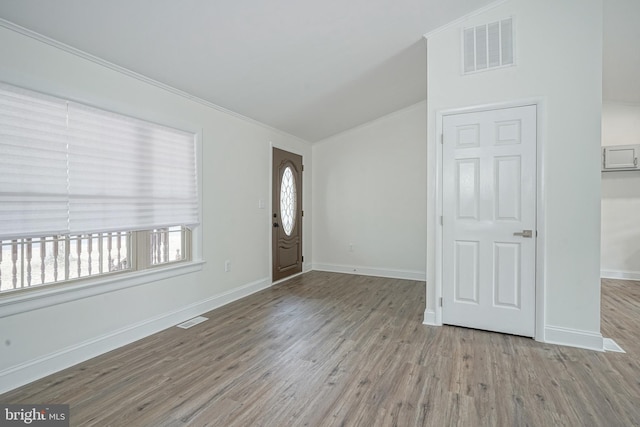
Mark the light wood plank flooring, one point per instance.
(328, 349)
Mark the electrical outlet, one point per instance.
(227, 266)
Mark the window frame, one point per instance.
(47, 295)
(62, 292)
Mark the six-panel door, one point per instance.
(489, 220)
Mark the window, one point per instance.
(288, 201)
(29, 262)
(167, 244)
(85, 192)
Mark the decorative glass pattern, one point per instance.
(288, 201)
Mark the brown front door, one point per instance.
(287, 214)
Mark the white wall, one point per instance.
(236, 174)
(620, 197)
(369, 187)
(559, 60)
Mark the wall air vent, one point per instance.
(488, 46)
(620, 158)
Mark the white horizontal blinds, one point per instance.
(33, 164)
(128, 174)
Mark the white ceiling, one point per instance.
(309, 68)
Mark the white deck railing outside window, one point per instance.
(25, 263)
(32, 262)
(167, 245)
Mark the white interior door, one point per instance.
(489, 220)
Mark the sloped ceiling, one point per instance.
(309, 68)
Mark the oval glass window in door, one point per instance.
(288, 201)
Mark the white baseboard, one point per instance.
(35, 369)
(430, 318)
(553, 335)
(367, 271)
(616, 274)
(573, 338)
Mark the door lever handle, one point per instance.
(275, 225)
(524, 233)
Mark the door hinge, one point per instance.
(440, 301)
(302, 213)
(302, 258)
(302, 168)
(442, 138)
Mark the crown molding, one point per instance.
(129, 73)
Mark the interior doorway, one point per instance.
(489, 212)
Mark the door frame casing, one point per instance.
(540, 251)
(269, 218)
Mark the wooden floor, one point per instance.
(333, 349)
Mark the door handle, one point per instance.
(275, 225)
(524, 233)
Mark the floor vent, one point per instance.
(192, 322)
(611, 345)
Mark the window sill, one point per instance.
(48, 296)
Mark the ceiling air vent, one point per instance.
(488, 46)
